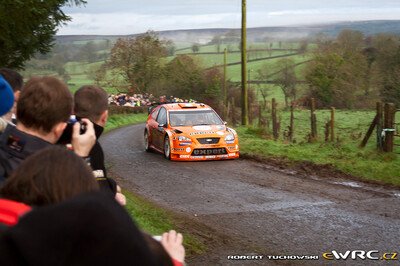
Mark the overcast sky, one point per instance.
(131, 16)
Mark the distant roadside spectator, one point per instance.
(44, 107)
(92, 102)
(137, 100)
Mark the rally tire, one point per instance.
(167, 148)
(146, 141)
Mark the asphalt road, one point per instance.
(267, 211)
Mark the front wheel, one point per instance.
(167, 148)
(146, 141)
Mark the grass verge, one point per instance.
(155, 221)
(366, 164)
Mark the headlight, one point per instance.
(230, 137)
(183, 138)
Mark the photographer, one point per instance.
(92, 102)
(44, 107)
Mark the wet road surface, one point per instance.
(270, 212)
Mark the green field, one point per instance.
(235, 47)
(79, 72)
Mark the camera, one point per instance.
(66, 137)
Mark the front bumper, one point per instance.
(186, 152)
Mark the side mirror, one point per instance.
(225, 123)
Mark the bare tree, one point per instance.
(286, 79)
(137, 61)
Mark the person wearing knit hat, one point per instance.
(6, 96)
(16, 82)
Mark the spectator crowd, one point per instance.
(58, 206)
(146, 99)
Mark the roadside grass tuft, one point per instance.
(155, 221)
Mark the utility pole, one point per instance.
(245, 109)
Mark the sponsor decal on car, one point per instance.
(185, 143)
(212, 151)
(202, 133)
(201, 127)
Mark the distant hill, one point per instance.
(259, 34)
(366, 27)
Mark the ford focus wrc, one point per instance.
(189, 132)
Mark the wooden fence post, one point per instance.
(314, 134)
(233, 113)
(227, 112)
(379, 123)
(332, 126)
(274, 120)
(369, 132)
(327, 130)
(291, 127)
(389, 127)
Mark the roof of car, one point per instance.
(186, 106)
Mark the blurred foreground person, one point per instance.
(91, 229)
(72, 236)
(169, 249)
(6, 96)
(44, 107)
(15, 80)
(36, 182)
(6, 103)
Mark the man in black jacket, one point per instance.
(44, 107)
(92, 102)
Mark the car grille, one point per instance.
(213, 151)
(208, 140)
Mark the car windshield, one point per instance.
(194, 118)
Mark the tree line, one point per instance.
(354, 71)
(140, 65)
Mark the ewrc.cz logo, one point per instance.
(360, 254)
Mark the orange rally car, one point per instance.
(189, 132)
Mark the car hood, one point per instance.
(205, 130)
